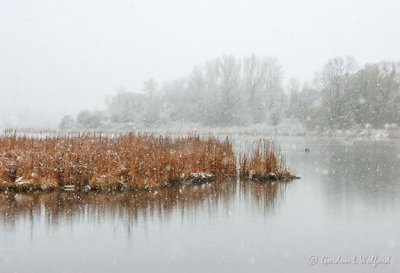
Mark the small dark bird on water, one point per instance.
(307, 150)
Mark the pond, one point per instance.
(342, 215)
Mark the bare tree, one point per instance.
(334, 79)
(262, 84)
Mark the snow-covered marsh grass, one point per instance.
(125, 161)
(264, 163)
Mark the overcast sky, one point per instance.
(58, 57)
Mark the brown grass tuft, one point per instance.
(264, 163)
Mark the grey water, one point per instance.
(341, 216)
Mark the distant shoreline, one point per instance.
(367, 133)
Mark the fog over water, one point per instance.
(58, 58)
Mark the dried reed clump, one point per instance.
(122, 162)
(264, 163)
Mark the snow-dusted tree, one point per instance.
(152, 109)
(262, 86)
(224, 77)
(150, 87)
(126, 107)
(67, 123)
(334, 80)
(378, 93)
(293, 88)
(304, 104)
(90, 120)
(389, 92)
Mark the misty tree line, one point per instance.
(344, 96)
(240, 92)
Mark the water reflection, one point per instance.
(61, 208)
(365, 172)
(263, 196)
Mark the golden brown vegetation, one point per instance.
(263, 163)
(124, 162)
(127, 161)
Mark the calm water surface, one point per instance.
(346, 205)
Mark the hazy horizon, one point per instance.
(61, 57)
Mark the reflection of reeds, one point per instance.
(264, 163)
(58, 208)
(126, 161)
(263, 194)
(262, 197)
(131, 206)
